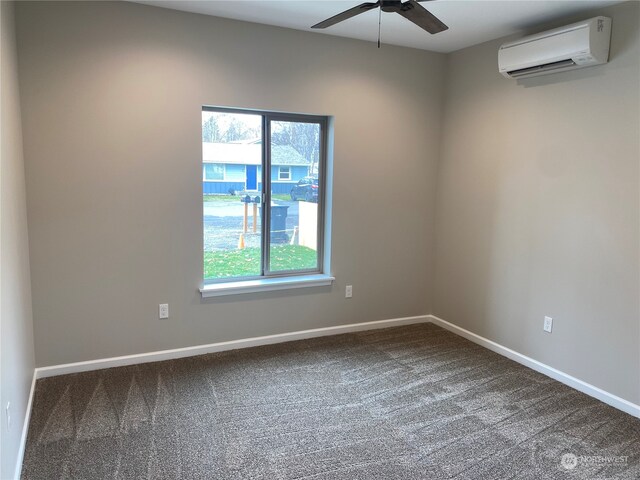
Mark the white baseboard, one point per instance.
(222, 346)
(584, 387)
(25, 429)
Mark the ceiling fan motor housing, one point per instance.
(390, 5)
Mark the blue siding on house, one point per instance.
(274, 173)
(285, 186)
(221, 187)
(297, 172)
(234, 173)
(224, 187)
(235, 179)
(281, 187)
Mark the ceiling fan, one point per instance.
(411, 10)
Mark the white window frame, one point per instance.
(284, 173)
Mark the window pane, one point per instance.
(213, 171)
(295, 148)
(231, 155)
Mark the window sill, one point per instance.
(265, 285)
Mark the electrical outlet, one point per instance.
(548, 324)
(7, 413)
(163, 310)
(348, 292)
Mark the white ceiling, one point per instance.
(470, 21)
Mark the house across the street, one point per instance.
(235, 167)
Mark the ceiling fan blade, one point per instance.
(416, 13)
(352, 12)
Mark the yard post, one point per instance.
(255, 216)
(244, 222)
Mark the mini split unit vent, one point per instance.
(578, 45)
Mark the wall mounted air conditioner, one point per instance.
(578, 45)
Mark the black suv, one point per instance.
(306, 189)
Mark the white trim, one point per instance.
(584, 387)
(265, 285)
(25, 428)
(77, 367)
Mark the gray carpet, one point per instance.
(413, 402)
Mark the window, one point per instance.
(213, 171)
(243, 240)
(284, 173)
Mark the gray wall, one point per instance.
(538, 209)
(16, 328)
(112, 94)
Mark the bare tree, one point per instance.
(224, 128)
(304, 137)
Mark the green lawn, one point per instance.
(221, 198)
(245, 263)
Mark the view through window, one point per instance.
(250, 160)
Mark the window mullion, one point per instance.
(266, 193)
(322, 176)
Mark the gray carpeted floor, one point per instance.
(412, 402)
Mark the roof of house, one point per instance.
(250, 154)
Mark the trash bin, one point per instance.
(278, 232)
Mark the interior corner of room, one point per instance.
(459, 197)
